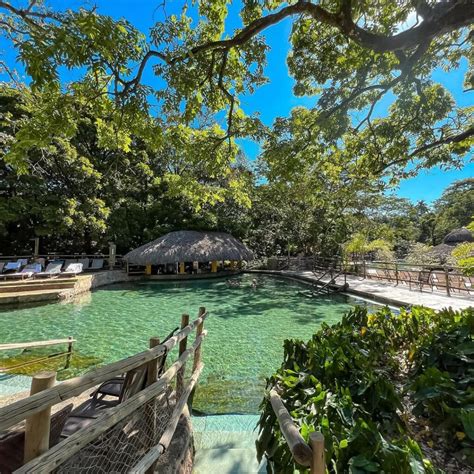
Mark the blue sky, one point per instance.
(276, 98)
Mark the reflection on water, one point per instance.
(246, 328)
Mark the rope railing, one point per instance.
(110, 432)
(309, 455)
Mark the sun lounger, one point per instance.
(68, 262)
(72, 269)
(2, 264)
(85, 263)
(96, 264)
(52, 270)
(27, 272)
(12, 267)
(119, 389)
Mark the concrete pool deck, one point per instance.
(382, 292)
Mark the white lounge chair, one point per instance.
(13, 267)
(27, 272)
(52, 270)
(68, 262)
(72, 269)
(97, 264)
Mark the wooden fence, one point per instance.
(445, 279)
(29, 345)
(36, 410)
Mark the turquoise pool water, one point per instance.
(246, 328)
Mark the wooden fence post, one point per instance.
(37, 426)
(446, 274)
(69, 353)
(182, 347)
(199, 329)
(152, 377)
(152, 370)
(197, 355)
(316, 441)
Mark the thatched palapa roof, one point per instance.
(189, 246)
(458, 236)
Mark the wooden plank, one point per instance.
(156, 451)
(74, 443)
(298, 447)
(27, 345)
(21, 409)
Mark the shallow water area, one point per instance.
(246, 328)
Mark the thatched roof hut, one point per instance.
(442, 252)
(189, 246)
(458, 236)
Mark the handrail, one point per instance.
(309, 456)
(21, 409)
(26, 345)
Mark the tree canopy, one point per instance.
(168, 151)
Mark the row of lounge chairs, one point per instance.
(22, 270)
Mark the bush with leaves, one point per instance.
(347, 382)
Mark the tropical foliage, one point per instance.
(105, 156)
(383, 388)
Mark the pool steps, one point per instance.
(225, 444)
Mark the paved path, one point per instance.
(386, 292)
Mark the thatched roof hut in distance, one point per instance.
(458, 236)
(189, 246)
(442, 252)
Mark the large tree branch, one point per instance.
(444, 141)
(448, 16)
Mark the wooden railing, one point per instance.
(446, 279)
(36, 409)
(311, 455)
(443, 278)
(29, 345)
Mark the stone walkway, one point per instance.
(385, 292)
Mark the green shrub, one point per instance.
(349, 381)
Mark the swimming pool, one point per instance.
(246, 328)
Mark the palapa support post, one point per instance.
(182, 347)
(197, 355)
(181, 268)
(69, 353)
(316, 441)
(37, 426)
(148, 270)
(214, 266)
